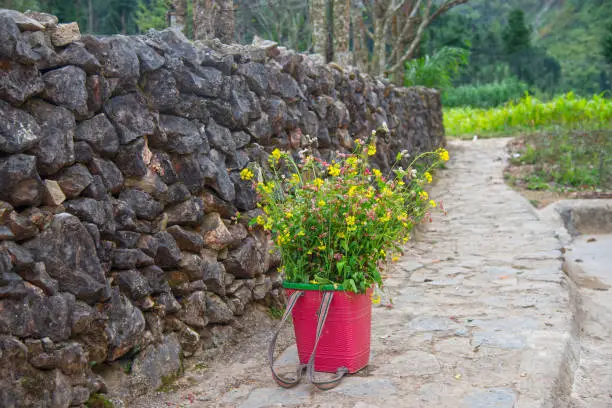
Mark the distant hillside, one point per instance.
(570, 30)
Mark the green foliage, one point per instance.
(99, 401)
(529, 113)
(565, 160)
(334, 223)
(151, 14)
(485, 96)
(437, 71)
(516, 36)
(21, 5)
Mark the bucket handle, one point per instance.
(321, 317)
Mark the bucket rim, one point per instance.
(312, 286)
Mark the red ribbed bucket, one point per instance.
(345, 341)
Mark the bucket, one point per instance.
(345, 341)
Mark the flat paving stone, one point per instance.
(491, 398)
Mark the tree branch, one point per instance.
(421, 30)
(407, 27)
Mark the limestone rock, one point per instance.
(194, 310)
(190, 212)
(125, 326)
(186, 240)
(100, 134)
(74, 179)
(159, 362)
(130, 116)
(133, 283)
(245, 261)
(168, 253)
(64, 34)
(214, 232)
(19, 82)
(143, 204)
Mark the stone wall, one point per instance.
(119, 189)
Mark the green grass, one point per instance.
(566, 160)
(530, 114)
(484, 96)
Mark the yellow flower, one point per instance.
(335, 170)
(341, 235)
(375, 299)
(428, 177)
(268, 225)
(295, 179)
(377, 173)
(246, 174)
(314, 282)
(443, 154)
(321, 247)
(260, 220)
(395, 259)
(321, 203)
(276, 154)
(301, 233)
(383, 253)
(370, 192)
(289, 214)
(371, 150)
(352, 191)
(424, 195)
(432, 203)
(385, 218)
(352, 161)
(318, 182)
(350, 220)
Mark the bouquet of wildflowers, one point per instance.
(336, 223)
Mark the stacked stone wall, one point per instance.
(120, 156)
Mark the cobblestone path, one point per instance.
(481, 314)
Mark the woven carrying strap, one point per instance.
(321, 317)
(282, 381)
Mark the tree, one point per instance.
(180, 14)
(151, 14)
(320, 29)
(606, 46)
(214, 18)
(342, 31)
(517, 37)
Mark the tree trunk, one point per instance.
(360, 50)
(318, 20)
(204, 16)
(180, 10)
(225, 22)
(90, 17)
(379, 57)
(342, 31)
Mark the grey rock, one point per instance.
(256, 76)
(161, 90)
(155, 278)
(190, 212)
(18, 130)
(22, 227)
(69, 254)
(148, 244)
(109, 172)
(74, 179)
(186, 240)
(244, 262)
(206, 81)
(221, 138)
(191, 107)
(223, 63)
(217, 310)
(133, 283)
(55, 150)
(87, 209)
(19, 82)
(212, 203)
(181, 136)
(130, 116)
(159, 362)
(241, 139)
(289, 88)
(127, 239)
(10, 34)
(260, 129)
(149, 59)
(99, 90)
(118, 58)
(168, 301)
(277, 114)
(125, 326)
(126, 258)
(83, 153)
(38, 275)
(143, 204)
(76, 54)
(95, 190)
(66, 87)
(130, 159)
(80, 395)
(194, 310)
(177, 193)
(192, 265)
(20, 183)
(64, 34)
(100, 134)
(246, 195)
(168, 253)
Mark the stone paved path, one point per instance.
(481, 317)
